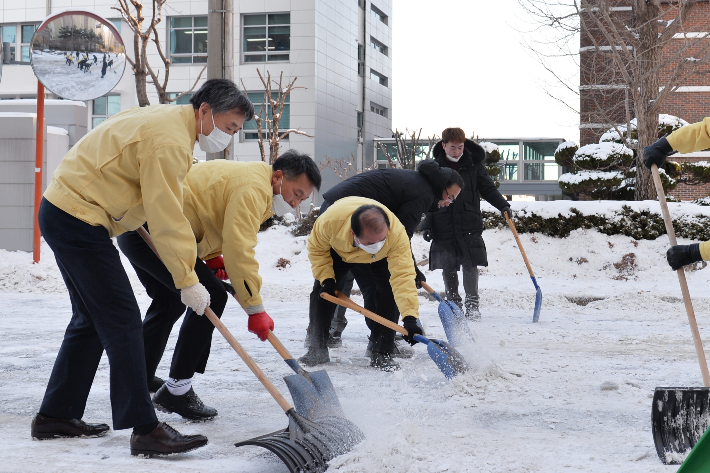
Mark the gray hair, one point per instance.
(223, 95)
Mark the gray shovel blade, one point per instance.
(315, 398)
(306, 446)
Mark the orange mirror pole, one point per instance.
(39, 155)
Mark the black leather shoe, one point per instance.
(44, 428)
(155, 384)
(315, 356)
(165, 440)
(383, 362)
(187, 405)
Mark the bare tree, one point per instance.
(633, 55)
(345, 168)
(275, 107)
(142, 38)
(406, 149)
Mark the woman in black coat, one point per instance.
(456, 231)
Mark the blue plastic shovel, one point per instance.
(452, 319)
(538, 293)
(449, 361)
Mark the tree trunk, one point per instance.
(648, 60)
(141, 89)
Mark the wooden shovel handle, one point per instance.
(273, 339)
(520, 245)
(345, 301)
(232, 341)
(681, 278)
(427, 287)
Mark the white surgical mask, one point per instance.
(452, 159)
(216, 141)
(373, 249)
(279, 206)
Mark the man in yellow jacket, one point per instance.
(695, 137)
(353, 231)
(225, 202)
(127, 171)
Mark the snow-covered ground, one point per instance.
(533, 402)
(70, 82)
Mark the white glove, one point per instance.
(195, 297)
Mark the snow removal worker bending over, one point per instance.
(456, 231)
(409, 195)
(225, 203)
(695, 137)
(128, 171)
(356, 231)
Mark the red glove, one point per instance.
(217, 267)
(260, 324)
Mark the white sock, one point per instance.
(178, 387)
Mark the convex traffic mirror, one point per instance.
(78, 55)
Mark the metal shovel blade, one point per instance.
(679, 417)
(307, 446)
(314, 396)
(538, 300)
(449, 361)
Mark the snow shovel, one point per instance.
(452, 319)
(449, 361)
(679, 416)
(538, 291)
(306, 444)
(313, 393)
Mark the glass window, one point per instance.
(378, 109)
(8, 33)
(27, 32)
(117, 24)
(184, 100)
(266, 37)
(104, 107)
(376, 76)
(509, 151)
(379, 47)
(377, 14)
(539, 151)
(257, 98)
(188, 39)
(510, 172)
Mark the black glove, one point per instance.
(504, 210)
(426, 234)
(419, 277)
(681, 255)
(411, 326)
(657, 153)
(328, 287)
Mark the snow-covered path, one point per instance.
(533, 402)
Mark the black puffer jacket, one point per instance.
(460, 224)
(408, 194)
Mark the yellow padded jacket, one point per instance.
(129, 170)
(226, 202)
(695, 137)
(332, 230)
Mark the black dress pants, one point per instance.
(105, 316)
(195, 338)
(321, 311)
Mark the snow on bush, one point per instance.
(565, 145)
(488, 147)
(583, 176)
(595, 156)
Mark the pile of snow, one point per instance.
(601, 151)
(565, 145)
(488, 147)
(582, 176)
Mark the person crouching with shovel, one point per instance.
(225, 202)
(129, 171)
(360, 231)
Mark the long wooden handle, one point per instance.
(520, 245)
(232, 341)
(273, 339)
(345, 301)
(427, 287)
(681, 278)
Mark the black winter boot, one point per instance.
(315, 356)
(187, 405)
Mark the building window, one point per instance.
(19, 37)
(117, 23)
(379, 78)
(359, 120)
(188, 39)
(529, 160)
(360, 60)
(104, 107)
(378, 46)
(378, 109)
(267, 37)
(184, 100)
(377, 13)
(257, 98)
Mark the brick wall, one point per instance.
(686, 192)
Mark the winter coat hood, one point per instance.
(436, 175)
(473, 153)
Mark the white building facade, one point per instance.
(340, 51)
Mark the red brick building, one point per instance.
(604, 98)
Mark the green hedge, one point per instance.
(644, 225)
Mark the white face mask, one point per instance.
(452, 159)
(372, 249)
(279, 206)
(216, 141)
